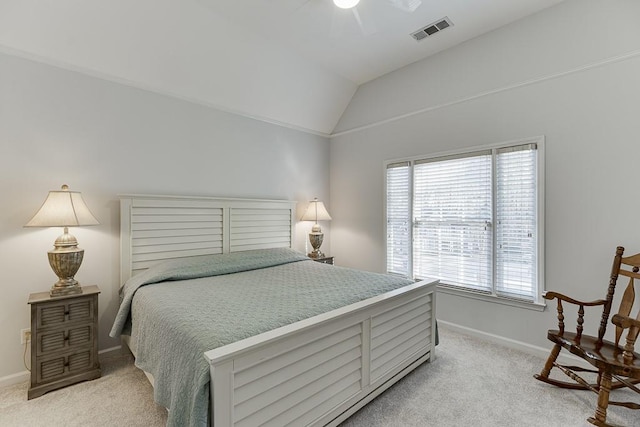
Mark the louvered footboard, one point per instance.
(321, 370)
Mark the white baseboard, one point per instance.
(112, 351)
(12, 379)
(26, 375)
(564, 358)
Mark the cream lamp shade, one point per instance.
(64, 208)
(316, 211)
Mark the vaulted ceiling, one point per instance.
(291, 62)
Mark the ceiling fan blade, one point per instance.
(366, 26)
(301, 5)
(356, 15)
(351, 23)
(408, 6)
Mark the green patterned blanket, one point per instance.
(200, 303)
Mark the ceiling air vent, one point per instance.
(432, 28)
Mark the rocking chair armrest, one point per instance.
(625, 322)
(553, 295)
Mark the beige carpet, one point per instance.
(472, 383)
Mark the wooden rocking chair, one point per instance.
(616, 366)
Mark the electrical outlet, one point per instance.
(25, 335)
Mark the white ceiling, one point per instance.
(292, 62)
(371, 39)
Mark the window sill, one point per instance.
(536, 306)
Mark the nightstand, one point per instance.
(324, 260)
(64, 340)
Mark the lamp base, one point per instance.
(58, 291)
(65, 262)
(316, 239)
(316, 254)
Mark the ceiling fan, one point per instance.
(346, 4)
(364, 17)
(404, 5)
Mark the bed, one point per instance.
(237, 329)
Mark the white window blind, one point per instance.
(516, 219)
(470, 220)
(452, 211)
(398, 219)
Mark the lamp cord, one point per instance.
(24, 355)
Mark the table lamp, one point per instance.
(316, 212)
(66, 209)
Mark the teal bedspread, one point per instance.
(200, 303)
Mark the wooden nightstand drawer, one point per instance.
(57, 340)
(58, 313)
(59, 367)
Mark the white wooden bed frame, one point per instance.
(317, 371)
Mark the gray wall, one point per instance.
(549, 74)
(104, 139)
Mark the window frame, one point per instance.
(538, 302)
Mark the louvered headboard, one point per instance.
(157, 228)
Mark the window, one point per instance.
(470, 219)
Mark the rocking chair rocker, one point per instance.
(609, 359)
